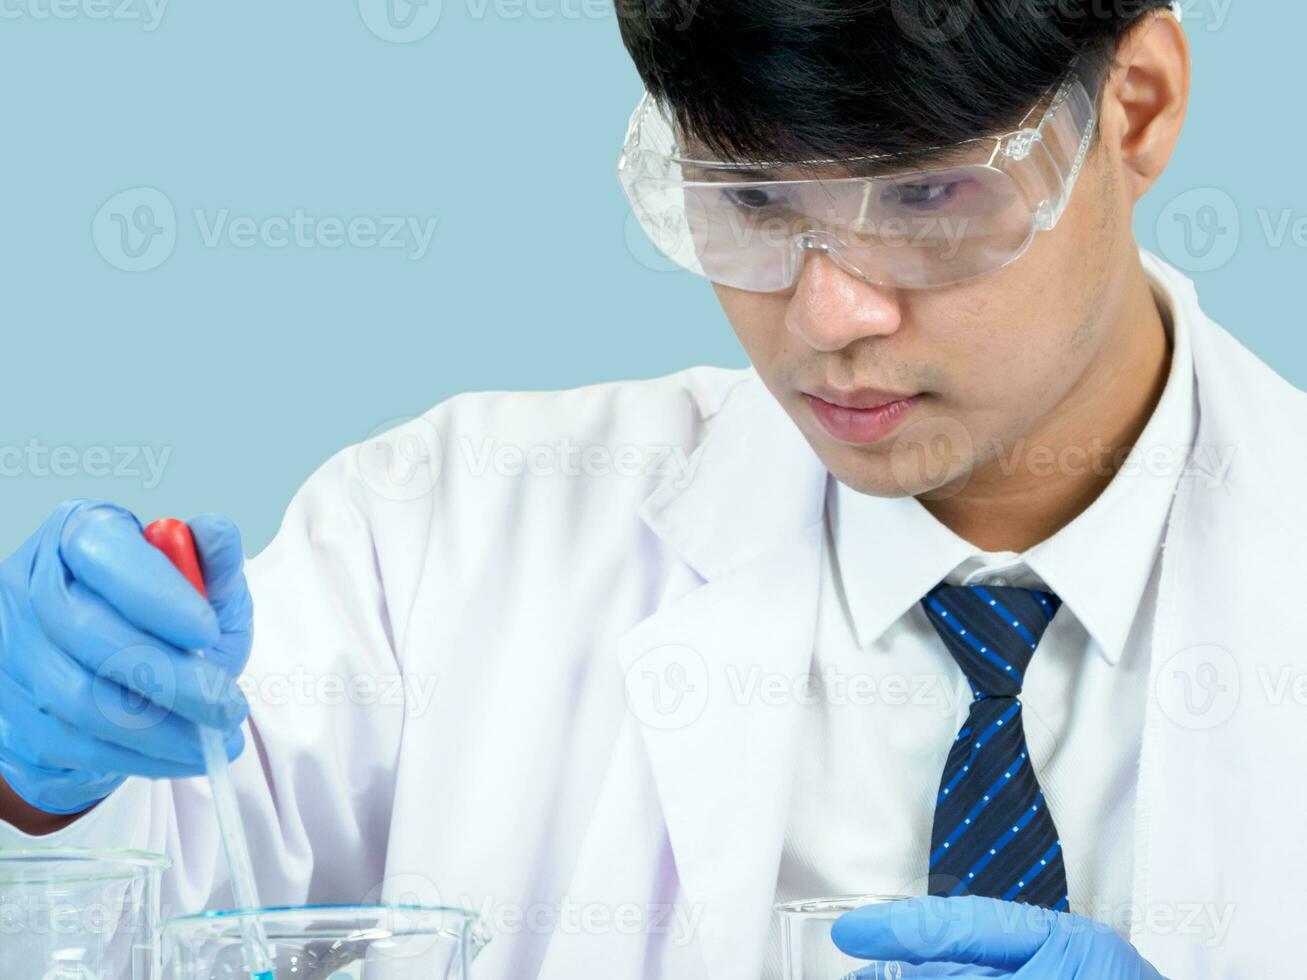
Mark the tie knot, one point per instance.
(992, 632)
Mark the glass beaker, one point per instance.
(79, 914)
(806, 945)
(329, 942)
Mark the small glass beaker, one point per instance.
(329, 942)
(79, 914)
(806, 945)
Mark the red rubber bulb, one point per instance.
(174, 539)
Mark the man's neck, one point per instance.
(1024, 496)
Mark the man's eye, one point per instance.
(751, 198)
(923, 196)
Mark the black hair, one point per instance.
(789, 80)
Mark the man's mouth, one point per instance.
(860, 416)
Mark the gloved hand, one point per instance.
(97, 678)
(983, 937)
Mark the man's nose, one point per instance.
(831, 308)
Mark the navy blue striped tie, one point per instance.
(993, 833)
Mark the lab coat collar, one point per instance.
(892, 550)
(756, 483)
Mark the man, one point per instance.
(963, 590)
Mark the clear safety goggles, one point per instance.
(742, 225)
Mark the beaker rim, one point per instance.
(833, 904)
(467, 927)
(326, 910)
(31, 864)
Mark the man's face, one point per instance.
(988, 362)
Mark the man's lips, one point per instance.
(860, 416)
(859, 397)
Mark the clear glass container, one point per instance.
(329, 942)
(79, 914)
(806, 946)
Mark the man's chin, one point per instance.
(896, 474)
(874, 481)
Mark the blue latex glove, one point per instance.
(983, 937)
(96, 679)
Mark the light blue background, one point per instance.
(251, 365)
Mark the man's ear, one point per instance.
(1146, 98)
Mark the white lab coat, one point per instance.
(609, 835)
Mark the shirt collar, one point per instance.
(891, 551)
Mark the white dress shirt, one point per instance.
(886, 699)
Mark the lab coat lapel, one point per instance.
(750, 524)
(701, 742)
(1212, 852)
(723, 763)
